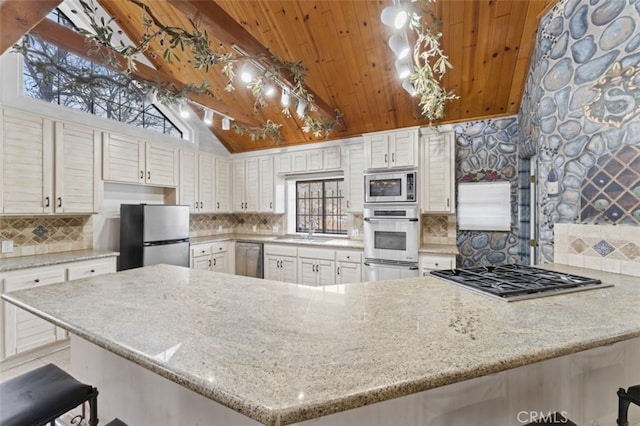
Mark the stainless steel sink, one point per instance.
(302, 239)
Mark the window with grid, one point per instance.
(54, 75)
(319, 205)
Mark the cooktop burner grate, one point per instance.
(517, 282)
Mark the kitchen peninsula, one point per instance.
(283, 353)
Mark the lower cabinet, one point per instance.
(22, 331)
(280, 263)
(430, 262)
(211, 257)
(316, 266)
(348, 266)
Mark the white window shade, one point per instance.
(484, 206)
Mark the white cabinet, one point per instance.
(430, 262)
(316, 267)
(246, 189)
(47, 167)
(280, 263)
(354, 178)
(310, 160)
(222, 193)
(392, 149)
(197, 181)
(267, 184)
(128, 160)
(437, 173)
(211, 257)
(348, 266)
(22, 331)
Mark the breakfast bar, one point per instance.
(279, 353)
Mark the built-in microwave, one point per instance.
(390, 187)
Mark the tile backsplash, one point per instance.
(212, 224)
(439, 229)
(609, 248)
(46, 234)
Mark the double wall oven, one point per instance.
(391, 226)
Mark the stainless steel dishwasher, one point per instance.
(249, 259)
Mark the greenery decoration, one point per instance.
(268, 130)
(431, 64)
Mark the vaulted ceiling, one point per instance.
(343, 46)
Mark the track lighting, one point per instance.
(403, 69)
(226, 123)
(394, 16)
(269, 90)
(399, 45)
(208, 117)
(408, 86)
(302, 107)
(285, 99)
(184, 110)
(246, 73)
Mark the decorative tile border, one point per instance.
(439, 229)
(46, 234)
(609, 248)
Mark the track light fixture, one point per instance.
(394, 16)
(246, 73)
(226, 123)
(208, 117)
(403, 69)
(269, 90)
(399, 46)
(408, 86)
(184, 110)
(285, 99)
(301, 108)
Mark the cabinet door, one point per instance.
(161, 165)
(219, 262)
(403, 149)
(348, 272)
(222, 183)
(252, 184)
(202, 263)
(237, 173)
(299, 161)
(77, 165)
(438, 173)
(272, 268)
(283, 163)
(377, 150)
(331, 158)
(354, 176)
(267, 188)
(325, 272)
(307, 269)
(288, 269)
(24, 331)
(205, 183)
(26, 160)
(314, 159)
(91, 268)
(123, 159)
(188, 185)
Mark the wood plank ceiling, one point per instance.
(343, 45)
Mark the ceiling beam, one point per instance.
(18, 17)
(222, 26)
(69, 40)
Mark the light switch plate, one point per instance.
(7, 246)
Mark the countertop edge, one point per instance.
(40, 260)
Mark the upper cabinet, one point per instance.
(222, 185)
(353, 176)
(47, 167)
(437, 173)
(204, 182)
(312, 160)
(246, 188)
(392, 149)
(128, 160)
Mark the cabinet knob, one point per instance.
(436, 263)
(385, 158)
(92, 271)
(201, 205)
(209, 263)
(202, 251)
(59, 201)
(338, 270)
(447, 202)
(141, 174)
(393, 157)
(347, 203)
(218, 205)
(214, 262)
(149, 175)
(47, 202)
(270, 204)
(37, 280)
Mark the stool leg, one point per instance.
(623, 408)
(93, 409)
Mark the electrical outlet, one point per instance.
(255, 228)
(7, 246)
(355, 232)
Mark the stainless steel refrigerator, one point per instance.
(152, 234)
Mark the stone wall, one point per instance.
(487, 150)
(580, 112)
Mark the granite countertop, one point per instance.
(282, 239)
(25, 262)
(439, 249)
(282, 353)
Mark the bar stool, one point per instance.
(42, 395)
(624, 400)
(554, 419)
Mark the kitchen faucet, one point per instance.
(312, 227)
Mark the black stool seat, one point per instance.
(554, 419)
(634, 394)
(42, 395)
(625, 398)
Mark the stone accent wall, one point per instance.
(603, 247)
(46, 234)
(487, 150)
(581, 112)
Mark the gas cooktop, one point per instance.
(518, 282)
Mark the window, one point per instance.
(54, 75)
(319, 205)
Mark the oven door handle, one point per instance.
(370, 219)
(392, 265)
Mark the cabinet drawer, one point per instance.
(219, 247)
(314, 253)
(280, 250)
(437, 262)
(201, 250)
(33, 279)
(90, 269)
(349, 256)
